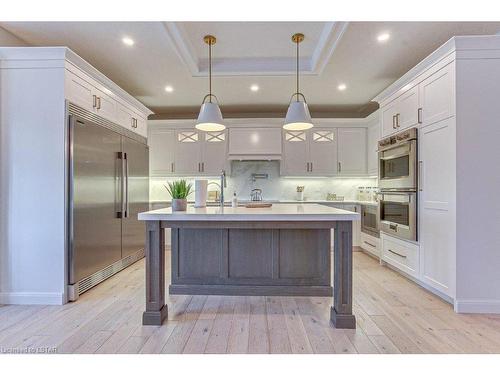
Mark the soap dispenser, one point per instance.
(234, 201)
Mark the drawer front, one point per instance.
(403, 256)
(370, 244)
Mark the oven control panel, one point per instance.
(404, 136)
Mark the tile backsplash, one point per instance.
(275, 187)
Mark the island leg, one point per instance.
(341, 311)
(156, 310)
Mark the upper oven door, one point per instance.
(397, 166)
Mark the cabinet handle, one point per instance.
(203, 166)
(369, 244)
(311, 166)
(394, 121)
(172, 167)
(94, 101)
(419, 115)
(397, 120)
(396, 253)
(339, 167)
(307, 167)
(98, 103)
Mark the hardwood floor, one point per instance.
(394, 316)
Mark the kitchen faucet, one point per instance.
(223, 184)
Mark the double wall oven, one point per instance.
(398, 184)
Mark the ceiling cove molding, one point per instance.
(264, 66)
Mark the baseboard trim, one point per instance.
(21, 298)
(478, 306)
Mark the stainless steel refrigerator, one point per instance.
(108, 187)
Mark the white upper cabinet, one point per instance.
(351, 151)
(88, 93)
(407, 109)
(254, 143)
(310, 153)
(186, 152)
(187, 157)
(295, 161)
(80, 92)
(105, 105)
(437, 96)
(401, 113)
(323, 152)
(372, 149)
(161, 152)
(214, 152)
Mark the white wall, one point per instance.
(478, 185)
(32, 186)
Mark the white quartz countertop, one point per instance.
(288, 201)
(278, 212)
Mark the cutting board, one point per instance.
(258, 205)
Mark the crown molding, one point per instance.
(266, 66)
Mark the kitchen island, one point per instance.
(280, 250)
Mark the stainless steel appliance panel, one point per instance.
(136, 194)
(95, 173)
(398, 214)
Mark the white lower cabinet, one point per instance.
(401, 254)
(370, 244)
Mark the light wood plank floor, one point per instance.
(394, 316)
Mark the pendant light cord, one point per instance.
(297, 69)
(210, 71)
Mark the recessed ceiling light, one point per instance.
(383, 37)
(254, 88)
(341, 87)
(169, 88)
(128, 41)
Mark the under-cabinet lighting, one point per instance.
(169, 88)
(254, 88)
(341, 87)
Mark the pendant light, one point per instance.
(210, 117)
(298, 116)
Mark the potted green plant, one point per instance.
(179, 191)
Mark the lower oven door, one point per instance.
(398, 214)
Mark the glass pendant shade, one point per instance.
(210, 118)
(298, 117)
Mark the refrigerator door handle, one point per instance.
(120, 214)
(127, 208)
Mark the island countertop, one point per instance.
(278, 212)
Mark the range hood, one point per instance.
(254, 143)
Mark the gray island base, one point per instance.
(283, 250)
